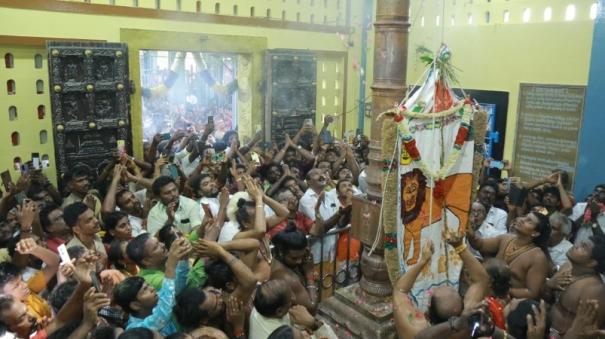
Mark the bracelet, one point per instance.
(29, 230)
(260, 206)
(460, 248)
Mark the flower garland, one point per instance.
(409, 143)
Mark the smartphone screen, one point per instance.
(121, 147)
(210, 119)
(62, 249)
(95, 281)
(6, 179)
(36, 160)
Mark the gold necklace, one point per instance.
(512, 250)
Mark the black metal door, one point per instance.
(291, 92)
(90, 98)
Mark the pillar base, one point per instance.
(353, 313)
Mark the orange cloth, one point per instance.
(36, 305)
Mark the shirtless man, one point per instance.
(582, 273)
(294, 263)
(445, 312)
(524, 251)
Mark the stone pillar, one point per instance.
(364, 310)
(388, 88)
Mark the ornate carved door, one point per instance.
(291, 92)
(90, 97)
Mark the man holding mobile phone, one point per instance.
(77, 184)
(173, 208)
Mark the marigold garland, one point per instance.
(409, 142)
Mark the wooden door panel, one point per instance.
(90, 102)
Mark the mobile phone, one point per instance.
(174, 172)
(121, 147)
(218, 157)
(517, 195)
(308, 122)
(62, 249)
(255, 157)
(166, 136)
(36, 160)
(496, 164)
(207, 210)
(267, 145)
(6, 179)
(24, 169)
(210, 119)
(95, 281)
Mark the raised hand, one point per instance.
(255, 192)
(83, 267)
(171, 211)
(26, 246)
(26, 214)
(301, 316)
(93, 302)
(235, 312)
(585, 322)
(209, 249)
(536, 325)
(223, 197)
(560, 281)
(179, 249)
(90, 201)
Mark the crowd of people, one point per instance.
(199, 238)
(207, 238)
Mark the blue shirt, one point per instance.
(161, 317)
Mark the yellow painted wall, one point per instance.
(26, 101)
(498, 55)
(39, 23)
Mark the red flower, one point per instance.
(461, 136)
(438, 190)
(410, 147)
(398, 118)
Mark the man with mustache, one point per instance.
(78, 185)
(85, 226)
(172, 209)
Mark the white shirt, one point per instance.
(186, 216)
(586, 232)
(261, 327)
(137, 225)
(497, 218)
(183, 158)
(488, 231)
(558, 253)
(329, 207)
(231, 228)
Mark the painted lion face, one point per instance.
(410, 192)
